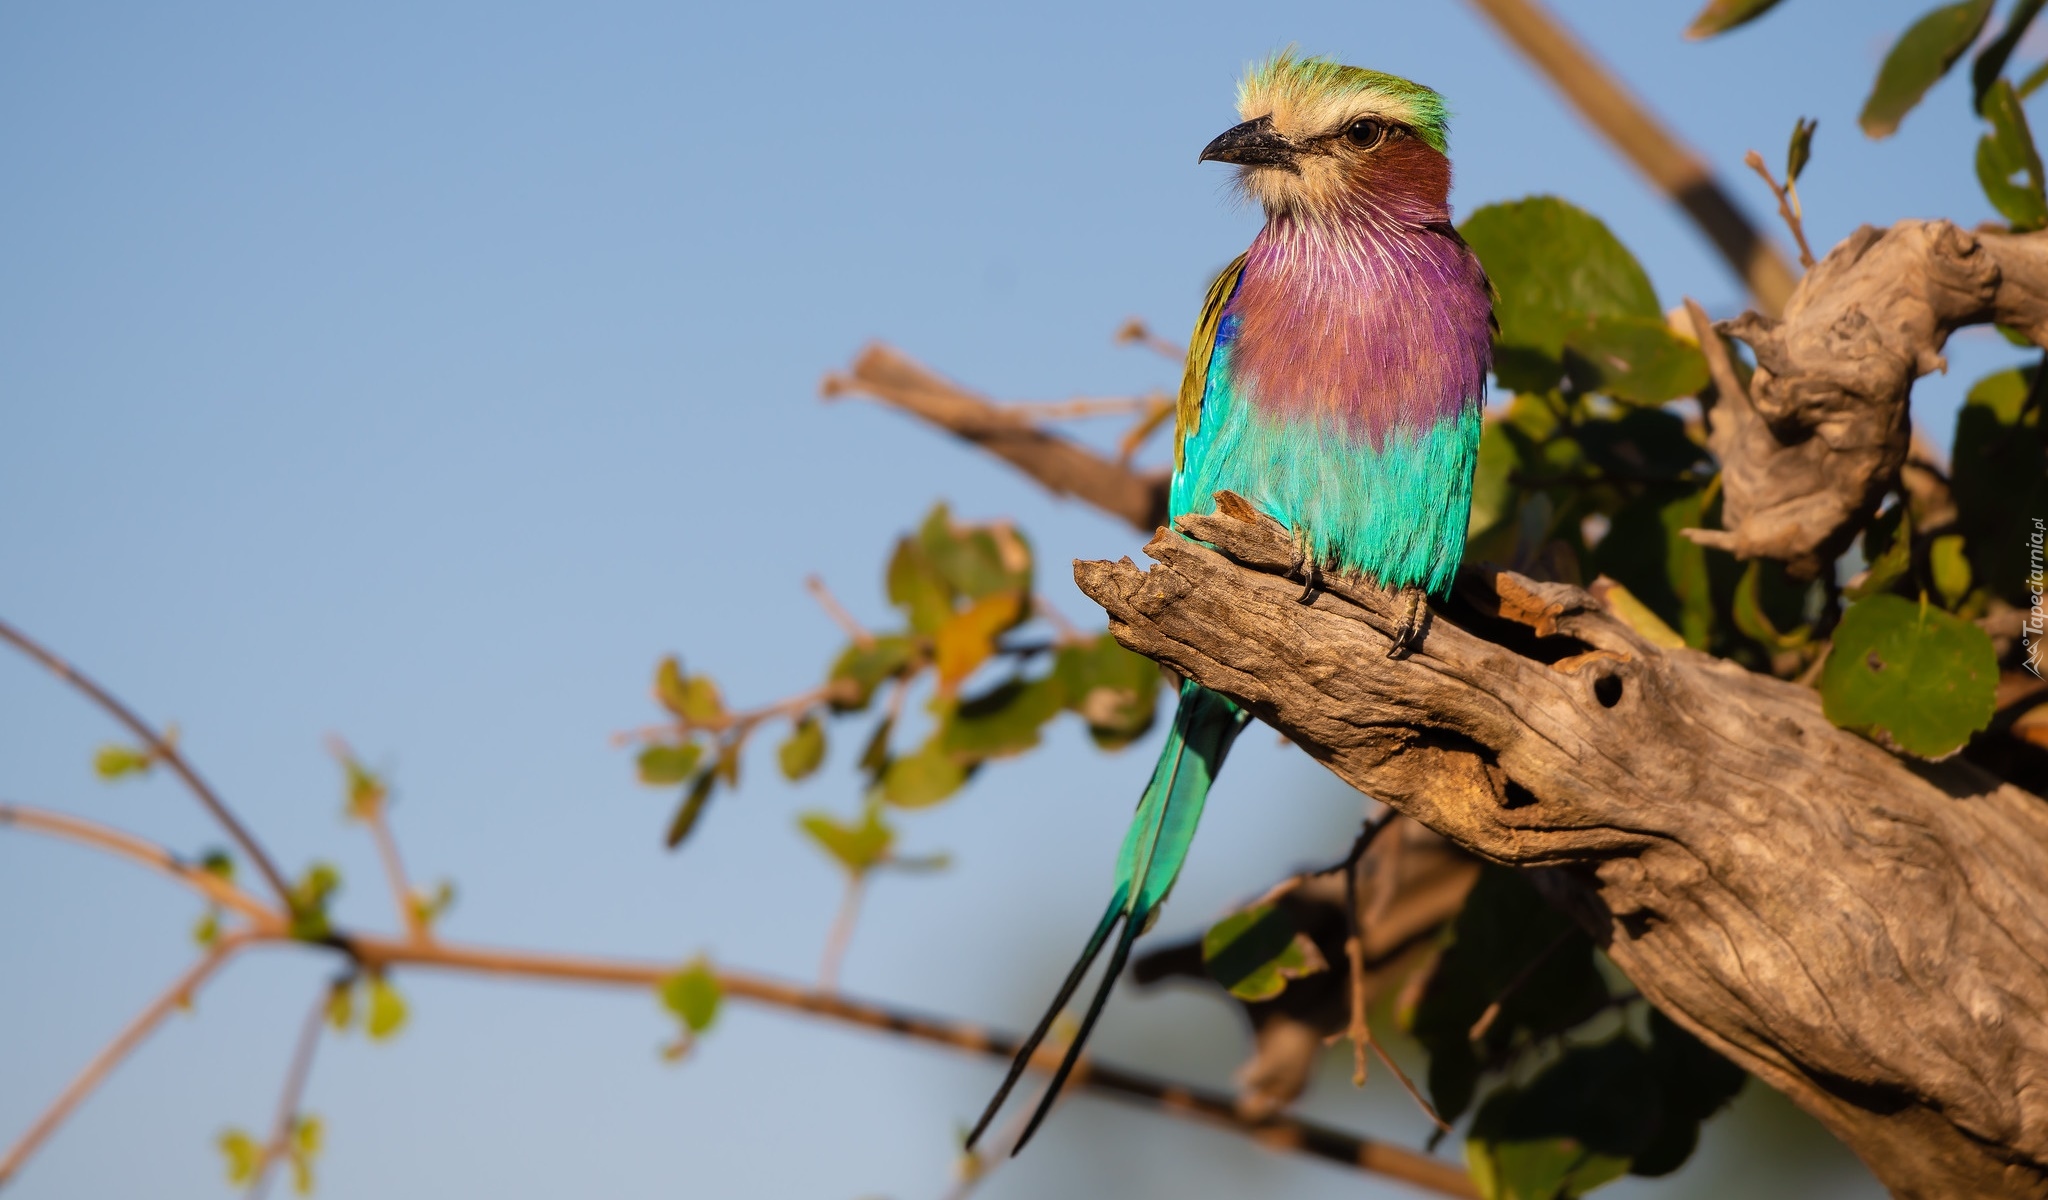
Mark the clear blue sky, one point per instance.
(423, 373)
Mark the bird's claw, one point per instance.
(1310, 572)
(1414, 620)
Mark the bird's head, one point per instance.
(1320, 138)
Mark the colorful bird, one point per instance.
(1334, 380)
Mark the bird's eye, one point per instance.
(1366, 133)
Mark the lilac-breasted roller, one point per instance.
(1335, 381)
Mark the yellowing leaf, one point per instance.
(1254, 952)
(967, 639)
(1720, 16)
(243, 1154)
(1950, 568)
(1636, 615)
(116, 761)
(387, 1009)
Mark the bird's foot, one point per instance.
(1414, 622)
(1309, 572)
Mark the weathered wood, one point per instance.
(1809, 449)
(1869, 937)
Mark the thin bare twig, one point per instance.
(285, 1125)
(376, 814)
(126, 845)
(159, 748)
(1602, 99)
(1786, 208)
(842, 933)
(124, 1043)
(376, 953)
(1082, 406)
(815, 585)
(1136, 332)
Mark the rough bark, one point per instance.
(1818, 437)
(1869, 937)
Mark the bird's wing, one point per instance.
(1187, 415)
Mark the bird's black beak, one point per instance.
(1252, 144)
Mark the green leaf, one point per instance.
(1720, 16)
(115, 761)
(2032, 83)
(2000, 481)
(2008, 164)
(1645, 552)
(669, 689)
(1888, 548)
(1751, 618)
(363, 792)
(243, 1154)
(976, 560)
(1909, 676)
(1004, 720)
(431, 907)
(923, 778)
(866, 667)
(1950, 567)
(692, 994)
(875, 756)
(662, 766)
(1921, 56)
(1992, 58)
(858, 848)
(694, 799)
(801, 755)
(1695, 1083)
(206, 930)
(341, 1007)
(1633, 359)
(1553, 266)
(387, 1009)
(304, 1151)
(309, 902)
(1493, 488)
(1254, 952)
(218, 863)
(1507, 945)
(917, 588)
(1799, 150)
(1572, 1128)
(1113, 689)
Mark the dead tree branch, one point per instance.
(1605, 102)
(1869, 937)
(1815, 442)
(1064, 467)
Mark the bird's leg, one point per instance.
(1309, 571)
(1414, 619)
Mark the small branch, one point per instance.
(815, 585)
(1283, 1133)
(842, 933)
(1492, 1013)
(1604, 101)
(376, 815)
(1060, 465)
(1135, 332)
(1147, 425)
(124, 1043)
(263, 918)
(158, 747)
(1786, 208)
(1080, 407)
(295, 1076)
